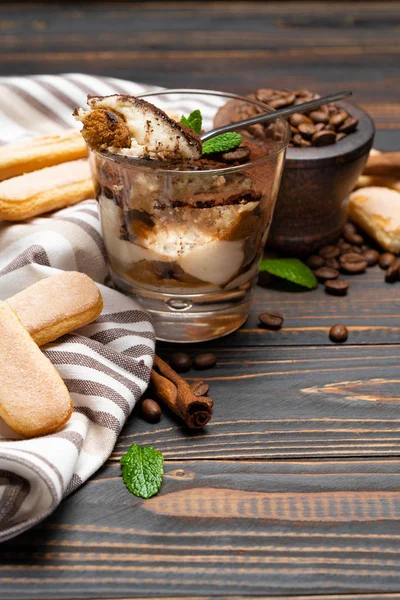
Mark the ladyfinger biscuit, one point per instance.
(377, 211)
(33, 398)
(57, 305)
(39, 192)
(24, 157)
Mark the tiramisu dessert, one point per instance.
(178, 216)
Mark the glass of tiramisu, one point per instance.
(184, 223)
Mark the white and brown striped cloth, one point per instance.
(105, 365)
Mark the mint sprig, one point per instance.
(222, 143)
(142, 470)
(194, 121)
(291, 269)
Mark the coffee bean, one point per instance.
(344, 247)
(319, 126)
(200, 388)
(325, 273)
(294, 130)
(323, 138)
(333, 263)
(337, 119)
(338, 333)
(306, 129)
(353, 238)
(181, 362)
(356, 250)
(281, 102)
(371, 256)
(329, 252)
(393, 272)
(296, 139)
(205, 361)
(348, 126)
(271, 320)
(305, 143)
(353, 263)
(386, 260)
(336, 287)
(150, 411)
(340, 136)
(264, 94)
(318, 116)
(240, 155)
(349, 228)
(315, 262)
(298, 118)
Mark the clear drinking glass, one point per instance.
(186, 242)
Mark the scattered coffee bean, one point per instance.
(305, 143)
(150, 411)
(181, 362)
(271, 320)
(296, 139)
(240, 155)
(336, 287)
(353, 263)
(333, 263)
(353, 238)
(323, 138)
(200, 388)
(205, 361)
(325, 273)
(386, 260)
(329, 252)
(393, 272)
(338, 333)
(356, 250)
(371, 256)
(315, 262)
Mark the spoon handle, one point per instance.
(282, 112)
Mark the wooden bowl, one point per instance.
(310, 209)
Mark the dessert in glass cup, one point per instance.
(184, 223)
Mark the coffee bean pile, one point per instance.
(322, 127)
(350, 255)
(150, 410)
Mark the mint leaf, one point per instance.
(291, 269)
(222, 143)
(142, 470)
(194, 121)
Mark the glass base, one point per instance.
(192, 318)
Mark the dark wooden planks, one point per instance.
(288, 402)
(226, 528)
(371, 311)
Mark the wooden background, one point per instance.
(293, 488)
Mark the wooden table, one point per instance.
(293, 488)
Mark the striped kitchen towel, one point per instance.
(105, 365)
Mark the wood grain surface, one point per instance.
(292, 490)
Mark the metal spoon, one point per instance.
(282, 112)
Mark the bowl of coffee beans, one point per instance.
(327, 153)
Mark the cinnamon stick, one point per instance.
(386, 164)
(176, 393)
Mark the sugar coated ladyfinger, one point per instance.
(41, 152)
(33, 398)
(36, 193)
(57, 305)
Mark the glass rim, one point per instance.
(137, 162)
